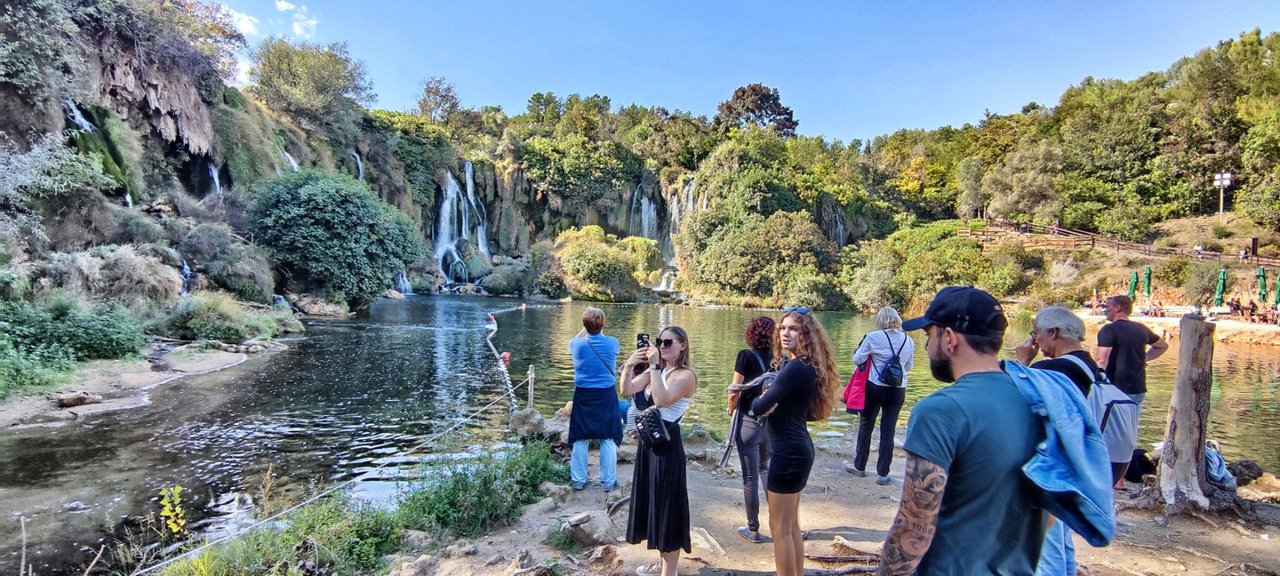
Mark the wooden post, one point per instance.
(530, 386)
(1181, 476)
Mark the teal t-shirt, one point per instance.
(981, 431)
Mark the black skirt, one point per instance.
(660, 497)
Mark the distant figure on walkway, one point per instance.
(1054, 228)
(882, 398)
(804, 391)
(1199, 251)
(966, 505)
(595, 402)
(1244, 255)
(749, 432)
(1125, 347)
(659, 512)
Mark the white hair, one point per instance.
(888, 318)
(1066, 322)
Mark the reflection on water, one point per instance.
(355, 395)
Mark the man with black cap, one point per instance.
(965, 506)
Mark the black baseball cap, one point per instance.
(964, 309)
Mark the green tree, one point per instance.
(438, 101)
(758, 105)
(1022, 185)
(319, 87)
(973, 199)
(331, 233)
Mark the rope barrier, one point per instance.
(509, 396)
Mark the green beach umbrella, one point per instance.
(1275, 295)
(1222, 287)
(1133, 283)
(1262, 285)
(1146, 282)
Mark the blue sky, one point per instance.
(847, 69)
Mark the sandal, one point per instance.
(650, 569)
(750, 535)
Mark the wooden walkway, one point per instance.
(1038, 237)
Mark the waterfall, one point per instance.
(648, 218)
(402, 283)
(668, 282)
(482, 229)
(77, 117)
(839, 231)
(679, 207)
(359, 165)
(128, 200)
(446, 236)
(213, 177)
(634, 211)
(186, 275)
(293, 164)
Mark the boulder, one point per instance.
(523, 561)
(556, 492)
(593, 528)
(541, 508)
(1245, 471)
(72, 399)
(316, 306)
(391, 294)
(416, 540)
(461, 548)
(527, 423)
(605, 560)
(423, 566)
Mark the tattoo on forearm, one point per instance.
(914, 526)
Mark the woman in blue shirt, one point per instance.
(595, 401)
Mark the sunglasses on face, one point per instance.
(796, 309)
(665, 342)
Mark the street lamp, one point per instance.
(1221, 181)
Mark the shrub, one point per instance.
(34, 367)
(1201, 281)
(137, 281)
(333, 234)
(135, 227)
(104, 333)
(597, 266)
(212, 315)
(1221, 231)
(810, 288)
(471, 497)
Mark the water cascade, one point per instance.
(76, 116)
(186, 276)
(678, 209)
(482, 228)
(293, 164)
(359, 165)
(403, 285)
(213, 177)
(839, 231)
(668, 282)
(642, 220)
(448, 231)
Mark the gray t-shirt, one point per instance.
(981, 431)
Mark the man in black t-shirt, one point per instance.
(1125, 347)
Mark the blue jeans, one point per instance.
(608, 463)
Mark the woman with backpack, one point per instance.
(749, 432)
(891, 353)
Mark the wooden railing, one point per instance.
(1037, 236)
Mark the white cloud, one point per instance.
(246, 24)
(243, 66)
(304, 26)
(284, 5)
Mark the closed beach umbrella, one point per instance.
(1222, 287)
(1133, 283)
(1262, 284)
(1146, 282)
(1275, 296)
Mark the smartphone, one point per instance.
(642, 340)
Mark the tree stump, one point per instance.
(1181, 474)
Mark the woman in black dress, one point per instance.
(749, 432)
(804, 391)
(659, 496)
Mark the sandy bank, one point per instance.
(1232, 331)
(121, 383)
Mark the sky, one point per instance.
(849, 70)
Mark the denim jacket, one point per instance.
(1071, 467)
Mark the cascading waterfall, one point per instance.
(402, 283)
(128, 200)
(76, 116)
(186, 276)
(839, 230)
(213, 177)
(679, 208)
(482, 228)
(293, 164)
(642, 219)
(359, 165)
(668, 282)
(447, 232)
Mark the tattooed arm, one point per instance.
(913, 528)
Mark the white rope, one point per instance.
(510, 396)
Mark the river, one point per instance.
(350, 399)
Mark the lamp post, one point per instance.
(1221, 181)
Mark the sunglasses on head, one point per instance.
(796, 309)
(665, 342)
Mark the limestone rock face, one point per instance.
(71, 399)
(392, 294)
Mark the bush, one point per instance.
(332, 234)
(810, 288)
(212, 315)
(471, 497)
(1201, 281)
(1221, 231)
(104, 333)
(40, 366)
(597, 266)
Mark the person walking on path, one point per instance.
(659, 513)
(887, 344)
(595, 402)
(805, 390)
(751, 437)
(1125, 347)
(965, 504)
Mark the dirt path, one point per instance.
(121, 383)
(838, 505)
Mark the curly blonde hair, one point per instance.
(814, 347)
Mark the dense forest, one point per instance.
(141, 193)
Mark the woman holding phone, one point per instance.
(659, 511)
(803, 391)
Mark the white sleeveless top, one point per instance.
(676, 410)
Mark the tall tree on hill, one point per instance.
(438, 101)
(759, 105)
(320, 87)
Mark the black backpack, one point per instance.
(891, 373)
